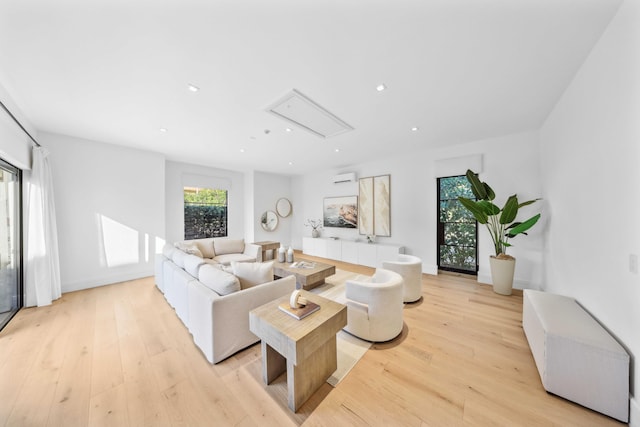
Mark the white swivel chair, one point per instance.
(410, 268)
(374, 308)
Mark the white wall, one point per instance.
(110, 210)
(268, 188)
(15, 145)
(590, 147)
(414, 194)
(179, 175)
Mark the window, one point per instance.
(205, 213)
(457, 228)
(10, 242)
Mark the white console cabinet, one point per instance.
(369, 254)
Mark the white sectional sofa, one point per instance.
(213, 297)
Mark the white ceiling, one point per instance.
(117, 71)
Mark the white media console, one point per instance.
(363, 253)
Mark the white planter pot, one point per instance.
(502, 271)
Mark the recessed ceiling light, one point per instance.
(415, 128)
(381, 87)
(193, 88)
(290, 163)
(288, 129)
(163, 130)
(242, 150)
(337, 150)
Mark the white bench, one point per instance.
(576, 357)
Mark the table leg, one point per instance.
(273, 363)
(308, 376)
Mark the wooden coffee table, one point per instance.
(306, 278)
(305, 349)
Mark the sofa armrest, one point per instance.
(248, 299)
(358, 306)
(253, 251)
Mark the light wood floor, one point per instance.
(118, 355)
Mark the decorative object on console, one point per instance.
(283, 207)
(290, 255)
(374, 208)
(282, 254)
(341, 212)
(316, 226)
(501, 225)
(269, 220)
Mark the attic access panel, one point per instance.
(300, 110)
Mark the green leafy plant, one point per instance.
(501, 223)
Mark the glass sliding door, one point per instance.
(10, 240)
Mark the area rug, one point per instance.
(350, 349)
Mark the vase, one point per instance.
(290, 254)
(502, 271)
(282, 253)
(315, 233)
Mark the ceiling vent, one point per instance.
(296, 108)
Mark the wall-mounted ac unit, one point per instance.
(344, 177)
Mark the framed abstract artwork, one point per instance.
(374, 209)
(365, 206)
(341, 212)
(382, 208)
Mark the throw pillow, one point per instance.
(189, 248)
(205, 246)
(217, 280)
(194, 251)
(224, 245)
(252, 273)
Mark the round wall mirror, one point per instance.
(269, 220)
(283, 207)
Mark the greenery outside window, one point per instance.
(205, 213)
(457, 228)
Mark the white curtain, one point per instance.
(42, 278)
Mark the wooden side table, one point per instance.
(268, 245)
(305, 349)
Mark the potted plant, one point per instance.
(316, 226)
(502, 226)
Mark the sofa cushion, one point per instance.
(206, 247)
(217, 280)
(225, 245)
(192, 264)
(227, 259)
(252, 273)
(178, 258)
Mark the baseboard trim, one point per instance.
(103, 281)
(430, 269)
(517, 283)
